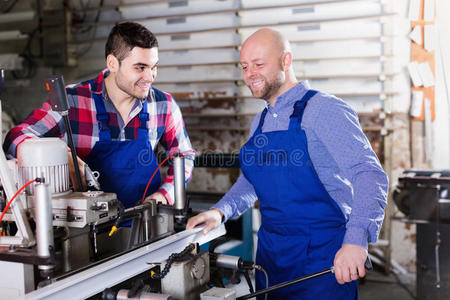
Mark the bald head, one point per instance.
(269, 38)
(266, 61)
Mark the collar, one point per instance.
(289, 97)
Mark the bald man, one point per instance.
(321, 188)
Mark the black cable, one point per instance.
(249, 282)
(119, 214)
(5, 6)
(172, 258)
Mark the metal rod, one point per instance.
(285, 284)
(44, 220)
(179, 182)
(73, 150)
(438, 240)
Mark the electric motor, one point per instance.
(44, 157)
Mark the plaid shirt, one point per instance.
(165, 125)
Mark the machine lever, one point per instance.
(58, 99)
(367, 265)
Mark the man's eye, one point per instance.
(140, 68)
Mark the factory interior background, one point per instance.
(388, 59)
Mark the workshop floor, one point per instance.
(379, 286)
(376, 286)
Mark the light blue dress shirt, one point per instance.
(342, 157)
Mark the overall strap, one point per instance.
(144, 116)
(299, 108)
(102, 116)
(261, 122)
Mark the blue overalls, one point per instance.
(125, 166)
(302, 227)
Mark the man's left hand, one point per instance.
(158, 197)
(349, 263)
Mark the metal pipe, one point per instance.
(228, 261)
(66, 248)
(148, 219)
(44, 218)
(179, 182)
(146, 223)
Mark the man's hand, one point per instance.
(158, 197)
(211, 218)
(73, 176)
(349, 263)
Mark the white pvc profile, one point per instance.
(94, 280)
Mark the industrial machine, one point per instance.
(75, 256)
(59, 244)
(423, 196)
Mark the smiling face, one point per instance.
(262, 69)
(266, 65)
(135, 74)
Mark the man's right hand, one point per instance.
(211, 218)
(72, 174)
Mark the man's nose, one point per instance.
(250, 73)
(149, 75)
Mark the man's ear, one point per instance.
(112, 63)
(286, 61)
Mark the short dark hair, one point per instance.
(125, 36)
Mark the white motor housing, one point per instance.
(44, 157)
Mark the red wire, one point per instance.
(154, 173)
(17, 193)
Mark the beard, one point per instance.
(268, 90)
(127, 87)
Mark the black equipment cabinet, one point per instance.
(426, 262)
(424, 197)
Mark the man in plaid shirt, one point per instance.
(117, 120)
